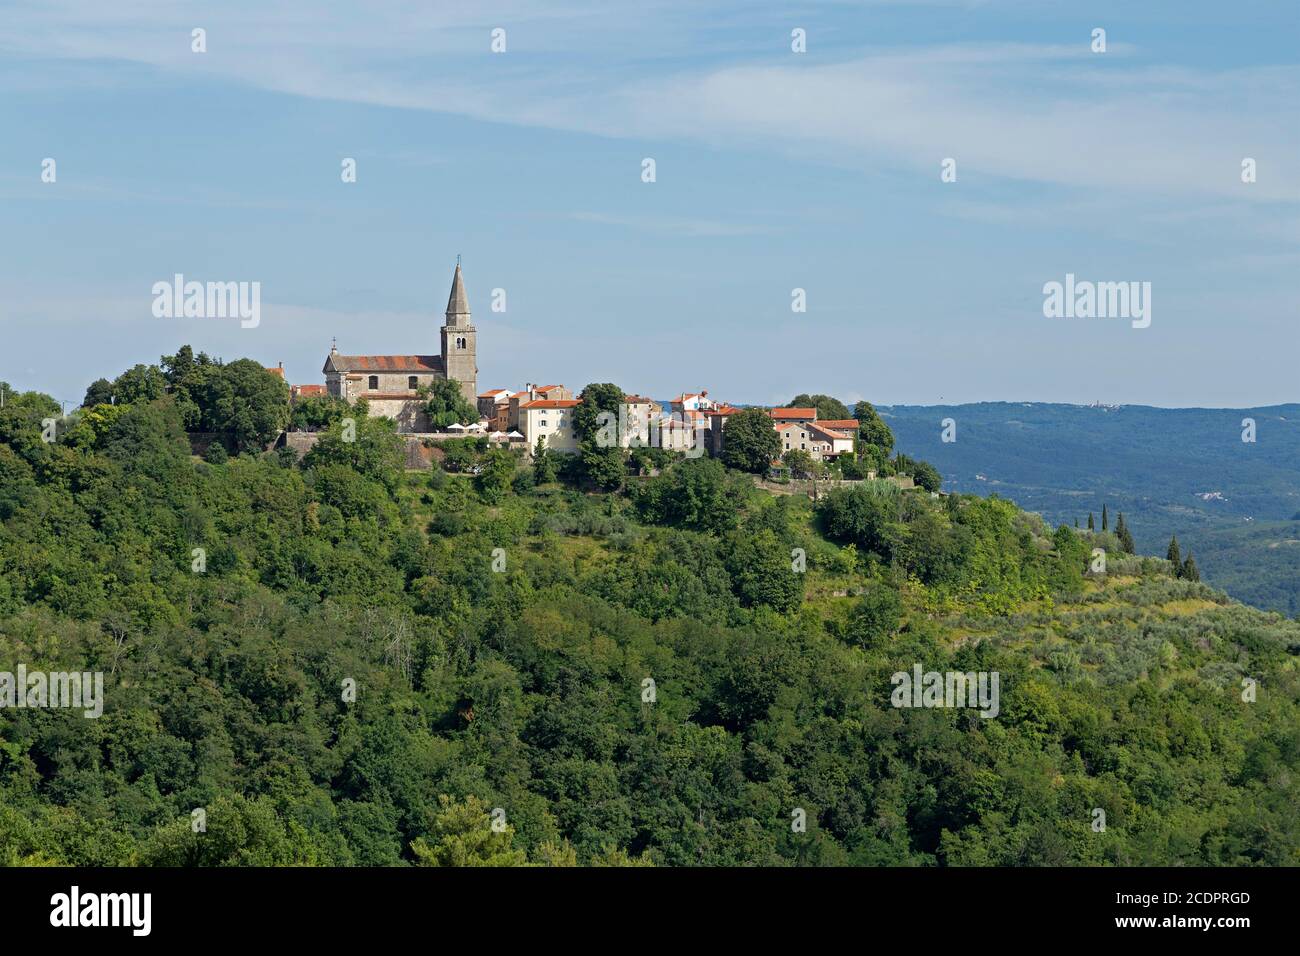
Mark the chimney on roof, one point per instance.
(704, 393)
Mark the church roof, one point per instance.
(458, 301)
(428, 364)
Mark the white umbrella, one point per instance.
(455, 427)
(514, 435)
(477, 427)
(497, 435)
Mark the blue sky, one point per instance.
(775, 170)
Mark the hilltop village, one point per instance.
(540, 417)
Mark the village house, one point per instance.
(822, 440)
(637, 415)
(532, 393)
(717, 423)
(692, 402)
(490, 402)
(550, 419)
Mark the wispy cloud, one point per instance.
(1049, 113)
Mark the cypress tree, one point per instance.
(1189, 569)
(1174, 555)
(1092, 525)
(1125, 536)
(1104, 522)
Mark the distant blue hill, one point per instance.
(1181, 471)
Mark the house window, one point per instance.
(412, 383)
(543, 422)
(374, 383)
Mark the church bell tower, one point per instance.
(458, 333)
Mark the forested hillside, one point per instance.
(636, 675)
(1171, 471)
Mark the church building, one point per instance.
(389, 382)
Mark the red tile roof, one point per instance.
(552, 403)
(278, 370)
(832, 434)
(840, 424)
(494, 392)
(308, 389)
(386, 363)
(793, 413)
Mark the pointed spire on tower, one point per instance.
(458, 301)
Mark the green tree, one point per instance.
(872, 430)
(460, 454)
(241, 401)
(1174, 556)
(1190, 572)
(694, 493)
(369, 446)
(446, 405)
(750, 443)
(312, 413)
(827, 407)
(862, 516)
(463, 835)
(923, 473)
(1124, 535)
(140, 384)
(497, 474)
(1105, 526)
(100, 392)
(603, 467)
(600, 455)
(595, 398)
(799, 462)
(544, 466)
(877, 616)
(762, 572)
